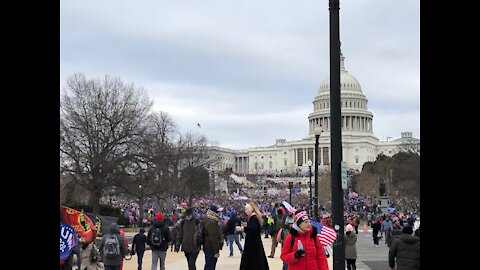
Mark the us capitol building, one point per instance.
(359, 144)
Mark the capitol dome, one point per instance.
(347, 81)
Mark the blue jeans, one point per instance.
(140, 259)
(158, 255)
(231, 238)
(210, 260)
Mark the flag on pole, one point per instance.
(68, 240)
(325, 234)
(289, 207)
(80, 222)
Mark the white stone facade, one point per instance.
(359, 143)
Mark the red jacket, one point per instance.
(314, 258)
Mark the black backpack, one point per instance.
(111, 247)
(156, 237)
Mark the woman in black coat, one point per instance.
(253, 257)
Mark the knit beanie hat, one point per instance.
(301, 217)
(159, 217)
(214, 208)
(349, 228)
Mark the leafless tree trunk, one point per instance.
(98, 121)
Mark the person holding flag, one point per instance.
(302, 249)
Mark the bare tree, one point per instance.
(98, 120)
(412, 146)
(194, 156)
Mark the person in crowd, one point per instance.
(91, 257)
(185, 232)
(266, 226)
(375, 231)
(416, 223)
(232, 235)
(356, 223)
(284, 231)
(159, 230)
(350, 247)
(122, 233)
(394, 232)
(417, 232)
(138, 246)
(253, 257)
(113, 248)
(386, 225)
(73, 259)
(213, 238)
(302, 249)
(405, 251)
(276, 225)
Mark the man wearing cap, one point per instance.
(306, 252)
(213, 238)
(185, 234)
(159, 252)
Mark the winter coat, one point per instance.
(231, 223)
(314, 259)
(87, 263)
(350, 246)
(394, 234)
(406, 251)
(253, 257)
(117, 260)
(166, 234)
(375, 227)
(185, 232)
(213, 238)
(138, 243)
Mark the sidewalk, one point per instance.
(177, 261)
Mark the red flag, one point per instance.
(81, 223)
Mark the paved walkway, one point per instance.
(177, 261)
(369, 257)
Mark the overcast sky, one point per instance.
(248, 71)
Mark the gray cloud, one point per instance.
(249, 70)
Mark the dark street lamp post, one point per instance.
(290, 186)
(336, 135)
(317, 131)
(309, 163)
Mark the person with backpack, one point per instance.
(185, 238)
(158, 238)
(90, 257)
(138, 246)
(302, 249)
(276, 225)
(113, 248)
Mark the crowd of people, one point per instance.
(228, 218)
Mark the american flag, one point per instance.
(325, 234)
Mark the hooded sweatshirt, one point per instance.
(406, 251)
(117, 260)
